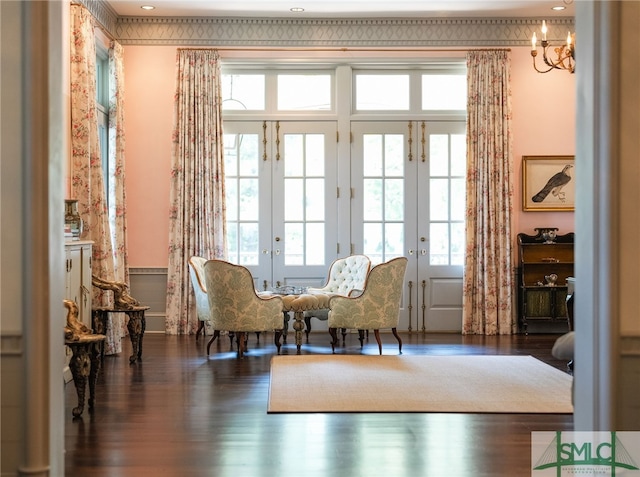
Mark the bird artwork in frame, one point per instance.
(548, 183)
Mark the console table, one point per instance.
(85, 364)
(135, 325)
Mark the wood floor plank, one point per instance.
(181, 413)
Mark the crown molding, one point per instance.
(318, 32)
(362, 32)
(102, 13)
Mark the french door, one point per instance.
(409, 200)
(280, 179)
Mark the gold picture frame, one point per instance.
(548, 183)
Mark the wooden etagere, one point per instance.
(543, 268)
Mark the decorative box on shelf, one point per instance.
(545, 261)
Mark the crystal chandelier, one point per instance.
(564, 55)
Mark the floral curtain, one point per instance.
(87, 181)
(117, 197)
(197, 208)
(488, 278)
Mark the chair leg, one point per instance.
(377, 333)
(241, 341)
(200, 328)
(307, 330)
(258, 336)
(344, 336)
(334, 339)
(216, 333)
(395, 333)
(285, 327)
(231, 336)
(276, 339)
(361, 337)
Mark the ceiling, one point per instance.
(344, 8)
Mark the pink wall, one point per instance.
(543, 124)
(149, 91)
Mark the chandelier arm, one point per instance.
(535, 67)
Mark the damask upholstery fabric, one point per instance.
(234, 304)
(379, 305)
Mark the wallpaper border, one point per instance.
(324, 32)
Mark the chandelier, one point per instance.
(563, 57)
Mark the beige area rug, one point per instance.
(460, 384)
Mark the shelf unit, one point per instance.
(78, 277)
(538, 299)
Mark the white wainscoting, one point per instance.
(149, 287)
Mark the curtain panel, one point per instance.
(87, 180)
(488, 275)
(197, 222)
(117, 196)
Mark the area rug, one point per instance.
(453, 384)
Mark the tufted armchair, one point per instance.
(347, 276)
(376, 308)
(235, 306)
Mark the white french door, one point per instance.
(409, 200)
(280, 179)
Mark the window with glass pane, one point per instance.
(382, 92)
(304, 92)
(241, 162)
(444, 92)
(304, 191)
(243, 92)
(447, 166)
(102, 107)
(383, 196)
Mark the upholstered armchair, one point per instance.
(378, 307)
(347, 276)
(196, 271)
(235, 306)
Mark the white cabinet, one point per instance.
(78, 277)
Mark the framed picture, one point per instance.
(548, 183)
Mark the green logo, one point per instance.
(601, 452)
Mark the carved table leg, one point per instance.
(298, 326)
(80, 366)
(94, 355)
(136, 326)
(100, 323)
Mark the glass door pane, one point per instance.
(305, 207)
(408, 179)
(248, 198)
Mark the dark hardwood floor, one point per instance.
(179, 413)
